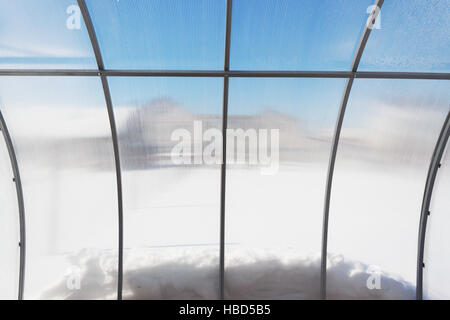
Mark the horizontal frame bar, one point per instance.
(234, 73)
(178, 73)
(402, 75)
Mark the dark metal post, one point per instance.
(224, 151)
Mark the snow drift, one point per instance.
(192, 273)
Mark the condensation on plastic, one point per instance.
(410, 35)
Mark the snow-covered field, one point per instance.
(273, 233)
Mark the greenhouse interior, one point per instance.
(225, 149)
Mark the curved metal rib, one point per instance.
(112, 122)
(337, 132)
(431, 177)
(18, 182)
(224, 152)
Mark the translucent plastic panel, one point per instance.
(43, 34)
(63, 143)
(437, 254)
(292, 34)
(411, 35)
(276, 173)
(389, 132)
(9, 228)
(160, 34)
(171, 191)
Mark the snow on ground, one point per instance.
(174, 273)
(171, 230)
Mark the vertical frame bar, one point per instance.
(18, 182)
(112, 122)
(425, 211)
(224, 151)
(331, 163)
(335, 142)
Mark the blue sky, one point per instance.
(419, 96)
(266, 34)
(414, 36)
(298, 35)
(189, 34)
(33, 34)
(160, 34)
(200, 95)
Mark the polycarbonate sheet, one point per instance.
(278, 147)
(9, 228)
(62, 139)
(436, 279)
(388, 135)
(43, 34)
(171, 185)
(296, 35)
(160, 34)
(410, 35)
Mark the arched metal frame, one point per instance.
(112, 123)
(226, 73)
(223, 173)
(337, 132)
(18, 183)
(425, 211)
